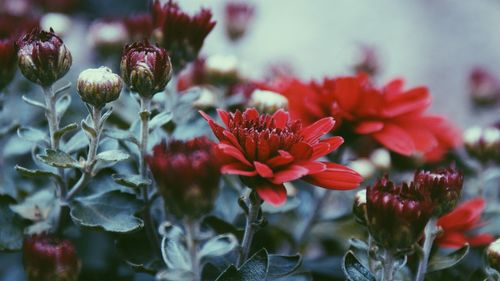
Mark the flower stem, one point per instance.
(250, 226)
(53, 121)
(388, 266)
(430, 233)
(192, 229)
(91, 155)
(149, 224)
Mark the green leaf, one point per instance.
(440, 262)
(354, 270)
(33, 102)
(175, 255)
(62, 104)
(254, 269)
(62, 89)
(140, 256)
(175, 275)
(89, 130)
(59, 159)
(111, 156)
(219, 245)
(66, 129)
(122, 135)
(112, 211)
(133, 181)
(11, 232)
(31, 134)
(160, 120)
(280, 266)
(34, 173)
(77, 142)
(37, 206)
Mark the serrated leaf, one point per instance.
(219, 246)
(112, 156)
(160, 120)
(62, 104)
(133, 181)
(33, 102)
(66, 129)
(175, 254)
(31, 134)
(11, 232)
(440, 262)
(59, 159)
(111, 211)
(280, 266)
(34, 173)
(254, 269)
(354, 270)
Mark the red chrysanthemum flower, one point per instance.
(269, 150)
(139, 26)
(181, 34)
(392, 116)
(8, 61)
(459, 223)
(238, 15)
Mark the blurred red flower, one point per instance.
(458, 223)
(392, 116)
(269, 150)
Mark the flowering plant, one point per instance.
(144, 155)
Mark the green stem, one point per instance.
(91, 155)
(388, 266)
(430, 234)
(149, 224)
(251, 226)
(192, 229)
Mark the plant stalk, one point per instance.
(250, 226)
(430, 233)
(388, 266)
(192, 229)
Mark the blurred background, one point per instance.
(437, 43)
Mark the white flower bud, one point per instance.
(267, 101)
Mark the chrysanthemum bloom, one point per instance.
(368, 62)
(187, 175)
(181, 34)
(139, 26)
(483, 86)
(42, 57)
(238, 15)
(47, 258)
(397, 214)
(392, 116)
(483, 143)
(8, 59)
(145, 68)
(444, 187)
(98, 86)
(459, 225)
(269, 150)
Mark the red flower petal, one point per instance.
(396, 139)
(326, 146)
(301, 151)
(263, 170)
(319, 128)
(234, 152)
(291, 173)
(280, 118)
(274, 194)
(335, 177)
(347, 92)
(282, 159)
(369, 127)
(238, 169)
(416, 99)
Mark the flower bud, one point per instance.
(359, 207)
(238, 16)
(444, 187)
(484, 88)
(221, 69)
(145, 68)
(493, 255)
(7, 62)
(368, 62)
(187, 175)
(207, 99)
(42, 57)
(98, 86)
(267, 101)
(483, 143)
(396, 214)
(47, 258)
